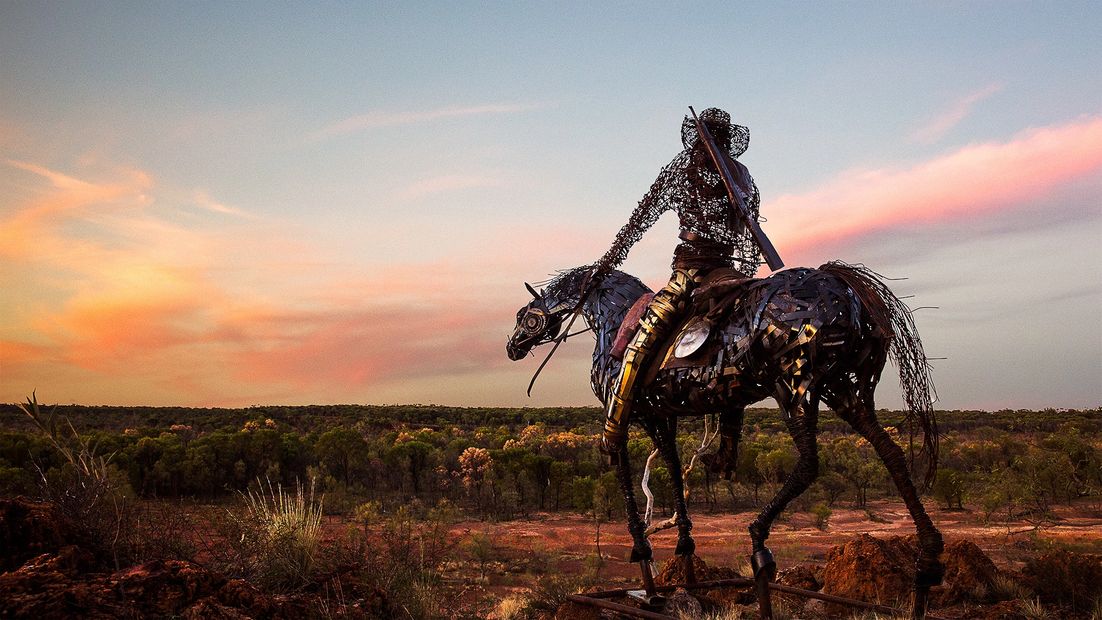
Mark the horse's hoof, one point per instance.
(763, 564)
(921, 603)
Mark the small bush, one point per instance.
(822, 513)
(1005, 587)
(481, 549)
(551, 591)
(86, 489)
(1066, 577)
(279, 535)
(1034, 610)
(404, 555)
(513, 607)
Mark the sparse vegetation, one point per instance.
(142, 482)
(279, 535)
(822, 513)
(83, 485)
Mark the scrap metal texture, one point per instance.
(798, 333)
(712, 235)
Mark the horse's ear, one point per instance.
(532, 291)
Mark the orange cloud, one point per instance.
(972, 182)
(30, 229)
(130, 305)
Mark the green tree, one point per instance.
(949, 487)
(339, 451)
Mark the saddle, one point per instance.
(717, 285)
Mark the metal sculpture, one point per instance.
(716, 201)
(801, 336)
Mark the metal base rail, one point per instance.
(598, 599)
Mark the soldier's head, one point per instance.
(730, 137)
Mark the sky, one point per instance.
(227, 204)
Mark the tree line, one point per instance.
(501, 463)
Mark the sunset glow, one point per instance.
(234, 221)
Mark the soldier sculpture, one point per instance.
(715, 340)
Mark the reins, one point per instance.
(566, 334)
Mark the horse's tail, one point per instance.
(891, 316)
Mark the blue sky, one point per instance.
(232, 203)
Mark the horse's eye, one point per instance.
(534, 323)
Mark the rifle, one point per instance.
(767, 250)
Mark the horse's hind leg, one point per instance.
(929, 569)
(666, 438)
(802, 421)
(641, 549)
(730, 431)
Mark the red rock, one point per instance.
(29, 529)
(166, 587)
(673, 571)
(800, 576)
(575, 611)
(969, 574)
(1065, 577)
(875, 570)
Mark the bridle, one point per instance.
(541, 318)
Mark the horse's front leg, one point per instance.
(667, 444)
(641, 550)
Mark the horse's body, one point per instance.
(800, 336)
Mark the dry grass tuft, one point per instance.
(280, 533)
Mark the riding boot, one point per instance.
(653, 327)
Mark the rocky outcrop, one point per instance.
(1065, 578)
(28, 529)
(881, 570)
(47, 576)
(875, 570)
(673, 571)
(969, 574)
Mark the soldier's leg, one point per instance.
(653, 327)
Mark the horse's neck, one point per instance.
(604, 312)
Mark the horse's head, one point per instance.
(537, 323)
(540, 321)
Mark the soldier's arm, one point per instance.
(653, 204)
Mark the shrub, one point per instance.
(822, 514)
(279, 535)
(1066, 577)
(481, 548)
(86, 488)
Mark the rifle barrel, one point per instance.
(772, 258)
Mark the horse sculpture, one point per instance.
(801, 336)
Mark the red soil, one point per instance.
(565, 544)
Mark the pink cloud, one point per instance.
(202, 199)
(143, 303)
(937, 127)
(30, 229)
(447, 183)
(976, 181)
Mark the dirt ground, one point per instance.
(525, 550)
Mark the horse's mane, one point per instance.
(569, 282)
(568, 279)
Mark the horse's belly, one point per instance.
(701, 389)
